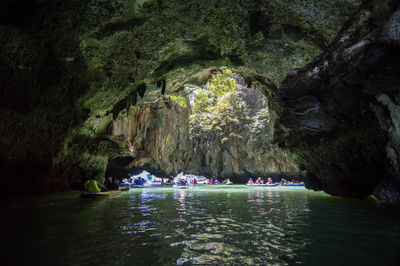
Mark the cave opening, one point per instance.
(222, 127)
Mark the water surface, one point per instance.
(221, 225)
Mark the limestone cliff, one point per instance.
(340, 112)
(157, 134)
(68, 68)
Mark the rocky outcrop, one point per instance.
(69, 67)
(240, 159)
(157, 135)
(340, 112)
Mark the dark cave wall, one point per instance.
(69, 67)
(340, 111)
(42, 75)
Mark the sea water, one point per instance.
(217, 225)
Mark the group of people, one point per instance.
(260, 181)
(286, 182)
(227, 181)
(269, 181)
(213, 181)
(136, 181)
(182, 182)
(113, 183)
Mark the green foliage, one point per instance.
(135, 108)
(260, 129)
(218, 110)
(179, 100)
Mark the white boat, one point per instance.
(200, 180)
(148, 179)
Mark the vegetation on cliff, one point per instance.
(221, 110)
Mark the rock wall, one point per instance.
(69, 67)
(340, 112)
(238, 158)
(157, 134)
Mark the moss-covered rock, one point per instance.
(340, 112)
(67, 65)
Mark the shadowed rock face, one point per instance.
(68, 68)
(340, 113)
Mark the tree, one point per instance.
(217, 108)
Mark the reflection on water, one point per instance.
(222, 226)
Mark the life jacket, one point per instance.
(92, 186)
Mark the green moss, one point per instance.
(179, 100)
(61, 107)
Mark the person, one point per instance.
(138, 182)
(111, 184)
(195, 181)
(269, 181)
(93, 186)
(284, 181)
(182, 182)
(250, 181)
(259, 181)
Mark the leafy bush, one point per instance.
(220, 110)
(179, 100)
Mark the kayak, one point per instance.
(263, 185)
(101, 195)
(181, 187)
(293, 185)
(230, 183)
(126, 185)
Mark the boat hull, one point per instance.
(293, 185)
(264, 185)
(181, 187)
(101, 195)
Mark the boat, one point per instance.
(227, 181)
(145, 179)
(125, 185)
(181, 186)
(293, 185)
(263, 185)
(101, 195)
(200, 180)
